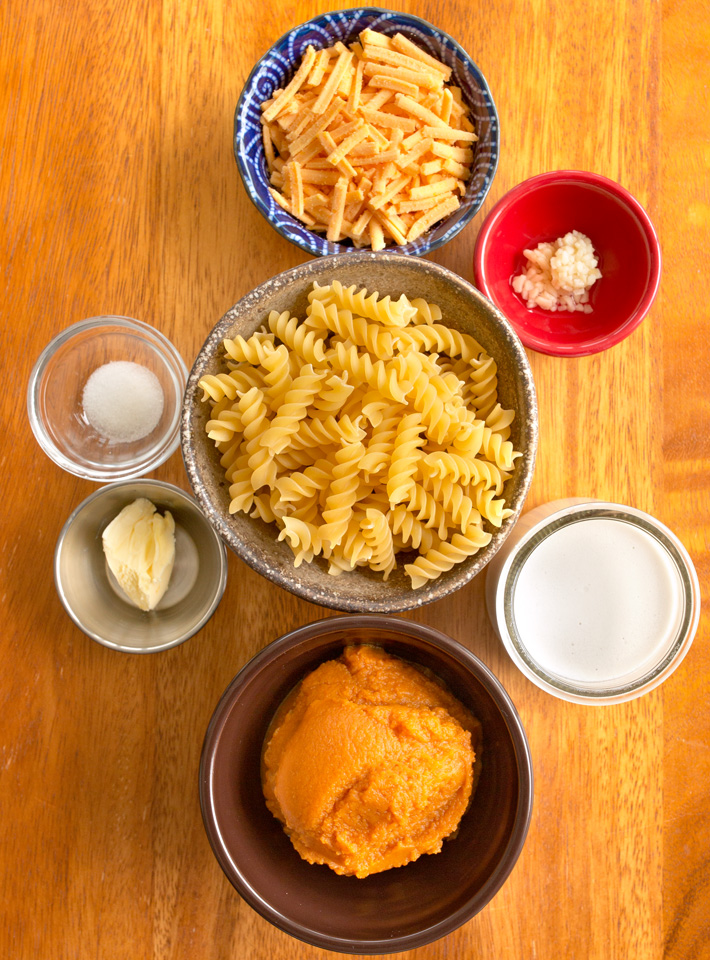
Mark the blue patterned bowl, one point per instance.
(276, 68)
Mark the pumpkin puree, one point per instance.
(369, 763)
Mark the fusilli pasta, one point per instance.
(367, 428)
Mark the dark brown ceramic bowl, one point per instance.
(465, 309)
(398, 909)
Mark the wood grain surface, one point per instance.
(120, 194)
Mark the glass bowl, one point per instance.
(55, 395)
(277, 67)
(398, 909)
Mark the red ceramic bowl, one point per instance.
(546, 207)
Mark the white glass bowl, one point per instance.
(55, 407)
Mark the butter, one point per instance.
(139, 545)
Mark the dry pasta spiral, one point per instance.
(342, 495)
(306, 343)
(329, 432)
(225, 425)
(296, 402)
(378, 341)
(332, 395)
(384, 310)
(378, 536)
(298, 486)
(405, 455)
(353, 551)
(463, 469)
(444, 556)
(429, 396)
(405, 524)
(252, 350)
(491, 507)
(425, 312)
(218, 386)
(436, 336)
(378, 453)
(303, 538)
(278, 376)
(254, 413)
(460, 509)
(379, 375)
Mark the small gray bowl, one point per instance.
(464, 309)
(96, 603)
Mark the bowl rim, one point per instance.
(270, 654)
(291, 583)
(132, 471)
(312, 243)
(190, 501)
(540, 344)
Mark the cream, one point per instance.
(597, 600)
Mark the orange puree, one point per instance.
(369, 764)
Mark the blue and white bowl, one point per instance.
(278, 65)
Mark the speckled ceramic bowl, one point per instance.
(278, 65)
(465, 309)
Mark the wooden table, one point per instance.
(120, 195)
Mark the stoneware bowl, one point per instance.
(278, 65)
(398, 909)
(465, 309)
(546, 207)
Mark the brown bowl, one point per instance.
(398, 909)
(464, 309)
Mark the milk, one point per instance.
(598, 600)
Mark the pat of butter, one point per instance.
(140, 550)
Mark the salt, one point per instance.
(123, 401)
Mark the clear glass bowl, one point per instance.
(56, 386)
